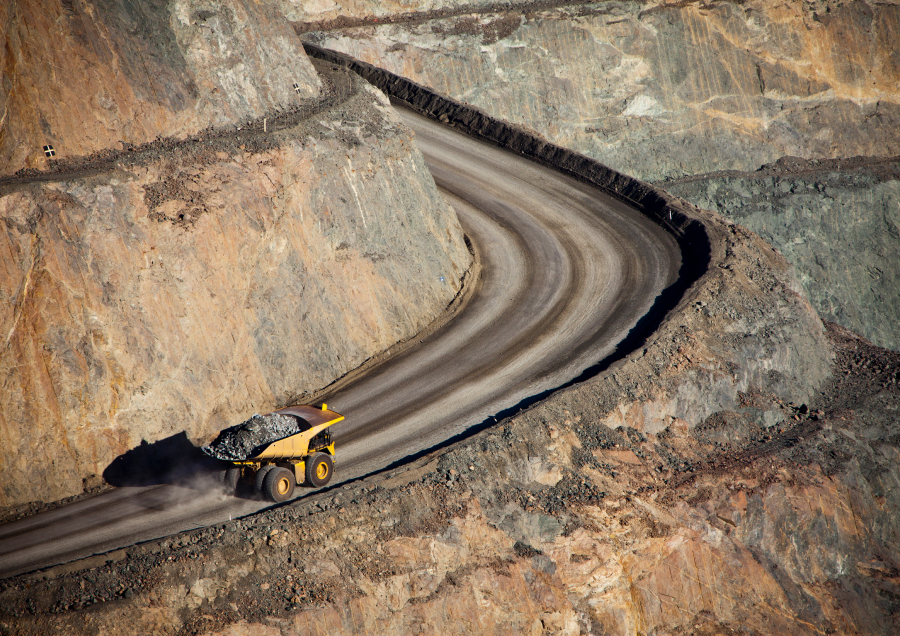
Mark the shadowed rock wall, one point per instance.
(837, 221)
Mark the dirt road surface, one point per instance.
(566, 274)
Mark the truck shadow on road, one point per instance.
(173, 460)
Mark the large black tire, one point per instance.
(260, 485)
(318, 469)
(230, 480)
(278, 484)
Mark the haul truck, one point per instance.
(304, 457)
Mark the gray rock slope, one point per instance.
(838, 222)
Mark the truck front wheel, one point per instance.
(318, 469)
(279, 484)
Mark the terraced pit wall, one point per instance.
(675, 92)
(150, 301)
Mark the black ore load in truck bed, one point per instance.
(247, 439)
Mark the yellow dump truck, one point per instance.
(306, 457)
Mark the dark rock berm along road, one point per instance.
(567, 273)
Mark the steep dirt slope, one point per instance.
(161, 292)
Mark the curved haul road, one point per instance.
(567, 272)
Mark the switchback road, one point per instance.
(566, 273)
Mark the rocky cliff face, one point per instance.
(659, 90)
(178, 287)
(88, 75)
(714, 481)
(837, 221)
(662, 91)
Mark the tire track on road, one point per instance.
(568, 272)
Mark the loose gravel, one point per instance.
(247, 439)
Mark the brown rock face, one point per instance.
(660, 90)
(87, 75)
(182, 291)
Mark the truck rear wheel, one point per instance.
(278, 484)
(260, 485)
(230, 480)
(318, 469)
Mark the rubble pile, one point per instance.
(244, 440)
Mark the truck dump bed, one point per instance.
(297, 445)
